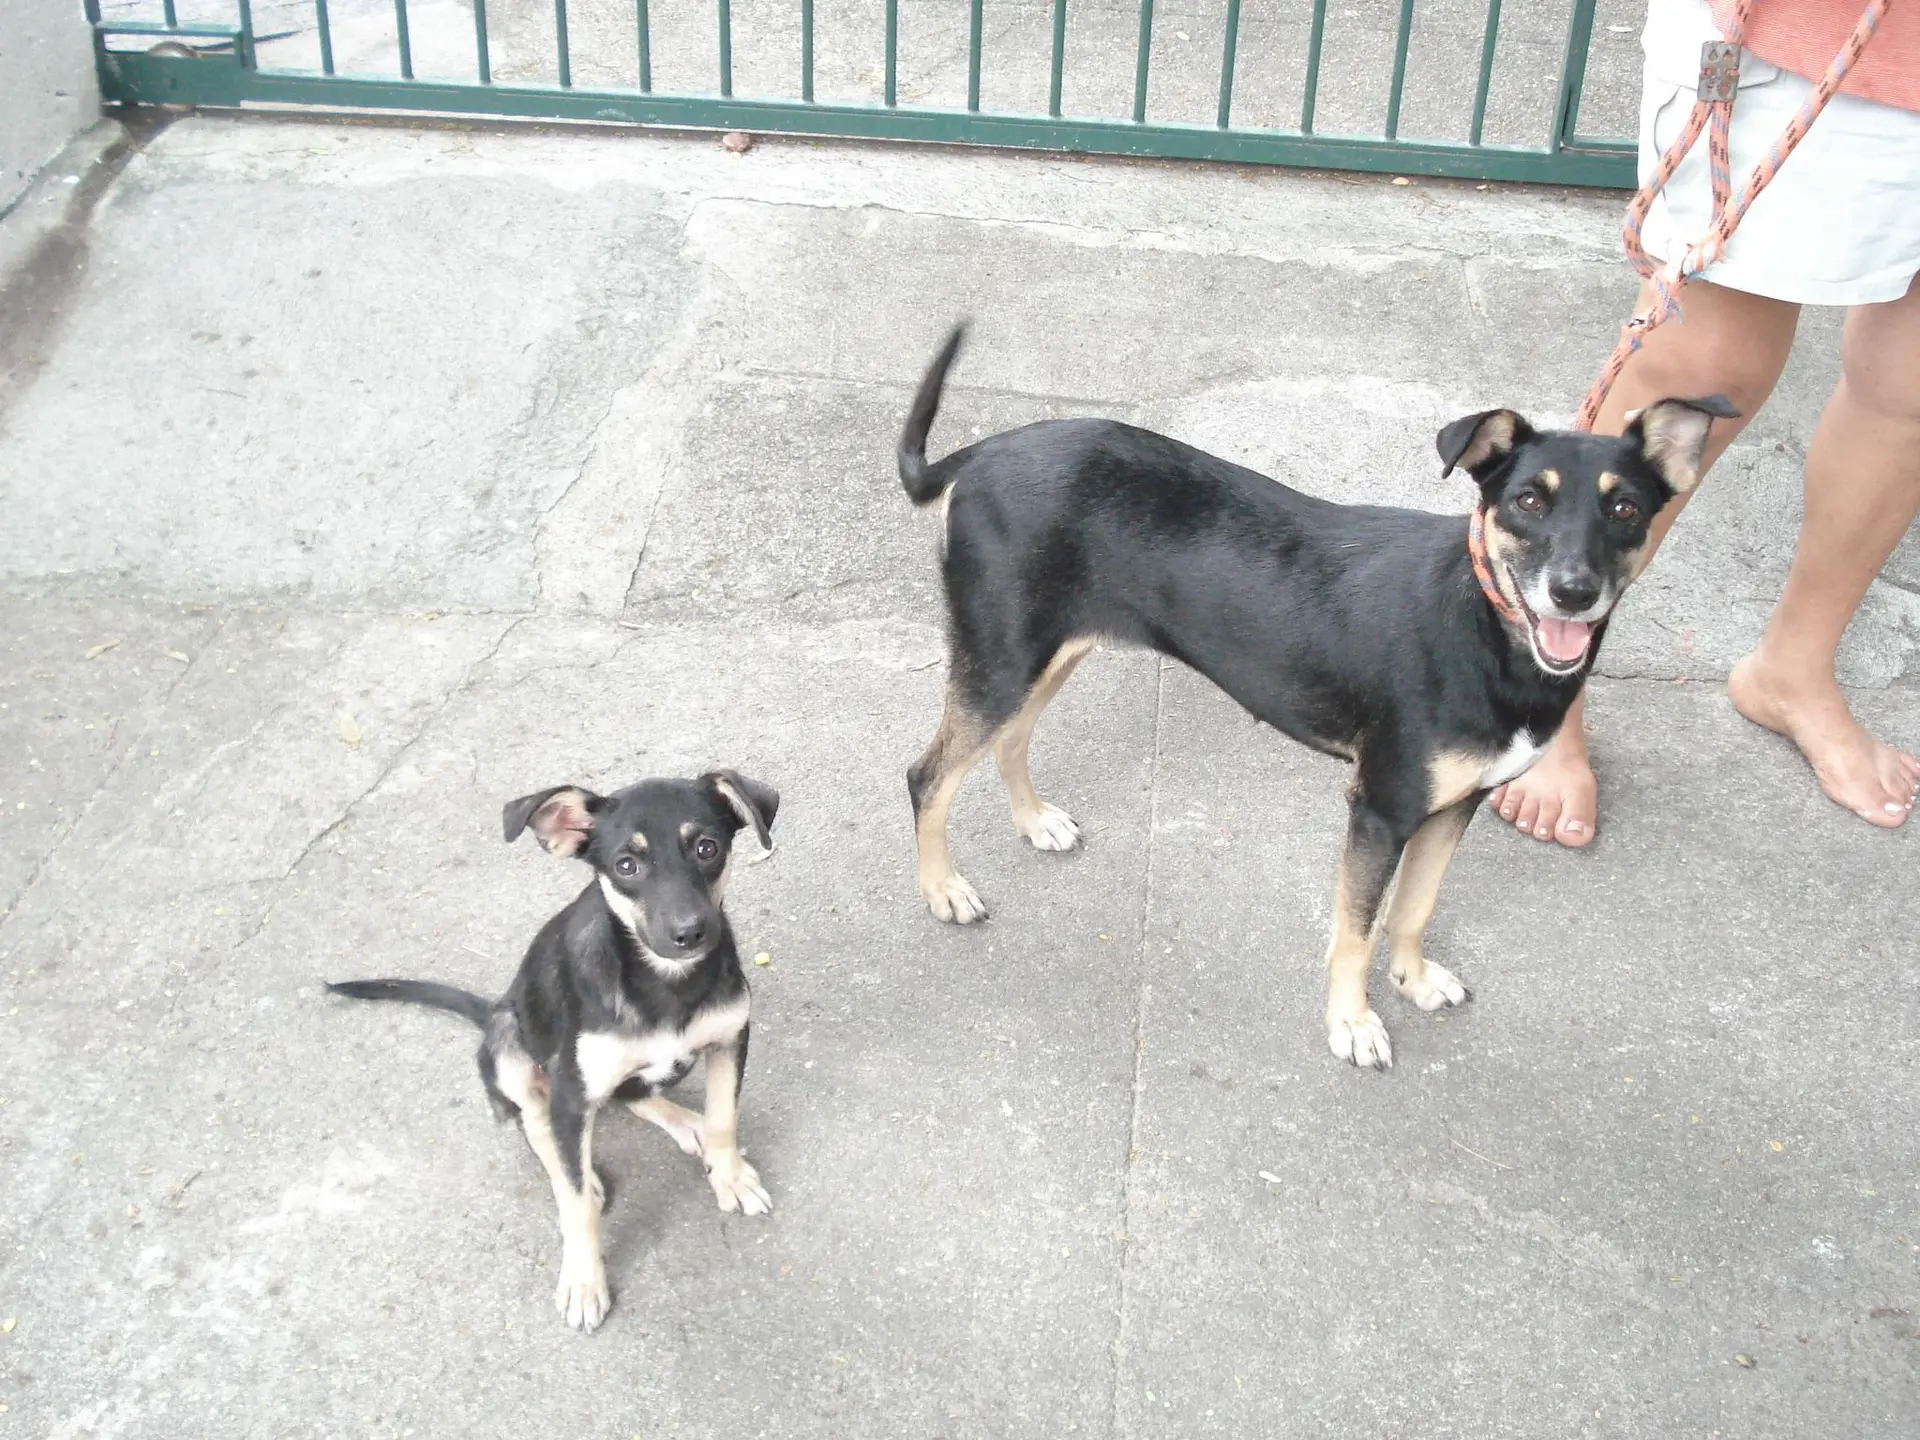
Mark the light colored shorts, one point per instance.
(1840, 223)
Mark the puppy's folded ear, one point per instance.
(751, 802)
(562, 818)
(1477, 443)
(1672, 435)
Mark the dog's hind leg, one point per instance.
(686, 1128)
(1047, 826)
(1422, 868)
(1374, 844)
(931, 783)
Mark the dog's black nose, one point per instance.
(1573, 592)
(690, 934)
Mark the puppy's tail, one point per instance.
(419, 992)
(922, 485)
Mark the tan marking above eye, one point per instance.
(1606, 483)
(1550, 479)
(638, 844)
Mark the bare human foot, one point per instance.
(1855, 768)
(1558, 798)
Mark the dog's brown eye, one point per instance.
(626, 865)
(706, 848)
(1624, 509)
(1529, 501)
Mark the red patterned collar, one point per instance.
(1483, 569)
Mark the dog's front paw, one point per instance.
(736, 1185)
(1363, 1042)
(1051, 829)
(1436, 987)
(582, 1297)
(954, 901)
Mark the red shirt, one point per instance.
(1804, 35)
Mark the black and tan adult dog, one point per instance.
(618, 995)
(1437, 654)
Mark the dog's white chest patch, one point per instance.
(608, 1057)
(1513, 762)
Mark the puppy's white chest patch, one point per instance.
(608, 1057)
(1512, 762)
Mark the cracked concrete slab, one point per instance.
(1017, 1168)
(79, 679)
(976, 1099)
(321, 427)
(1526, 1195)
(786, 501)
(277, 728)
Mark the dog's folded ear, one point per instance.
(1476, 443)
(1672, 435)
(562, 818)
(751, 802)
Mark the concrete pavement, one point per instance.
(370, 476)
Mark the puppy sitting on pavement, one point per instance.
(617, 996)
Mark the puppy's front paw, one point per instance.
(1363, 1042)
(954, 901)
(1052, 829)
(736, 1185)
(582, 1297)
(1436, 987)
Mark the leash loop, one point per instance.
(1713, 112)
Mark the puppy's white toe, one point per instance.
(1436, 987)
(954, 901)
(1362, 1042)
(582, 1297)
(737, 1187)
(687, 1129)
(1052, 829)
(692, 1139)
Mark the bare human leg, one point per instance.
(1862, 492)
(1729, 343)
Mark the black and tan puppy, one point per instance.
(618, 995)
(1436, 653)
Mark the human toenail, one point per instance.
(1507, 814)
(1893, 809)
(1523, 825)
(1574, 827)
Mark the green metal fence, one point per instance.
(1223, 80)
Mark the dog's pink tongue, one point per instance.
(1564, 640)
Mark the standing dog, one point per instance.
(1437, 655)
(617, 996)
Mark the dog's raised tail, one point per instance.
(419, 992)
(922, 485)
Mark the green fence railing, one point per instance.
(1430, 87)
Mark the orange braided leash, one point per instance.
(1719, 72)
